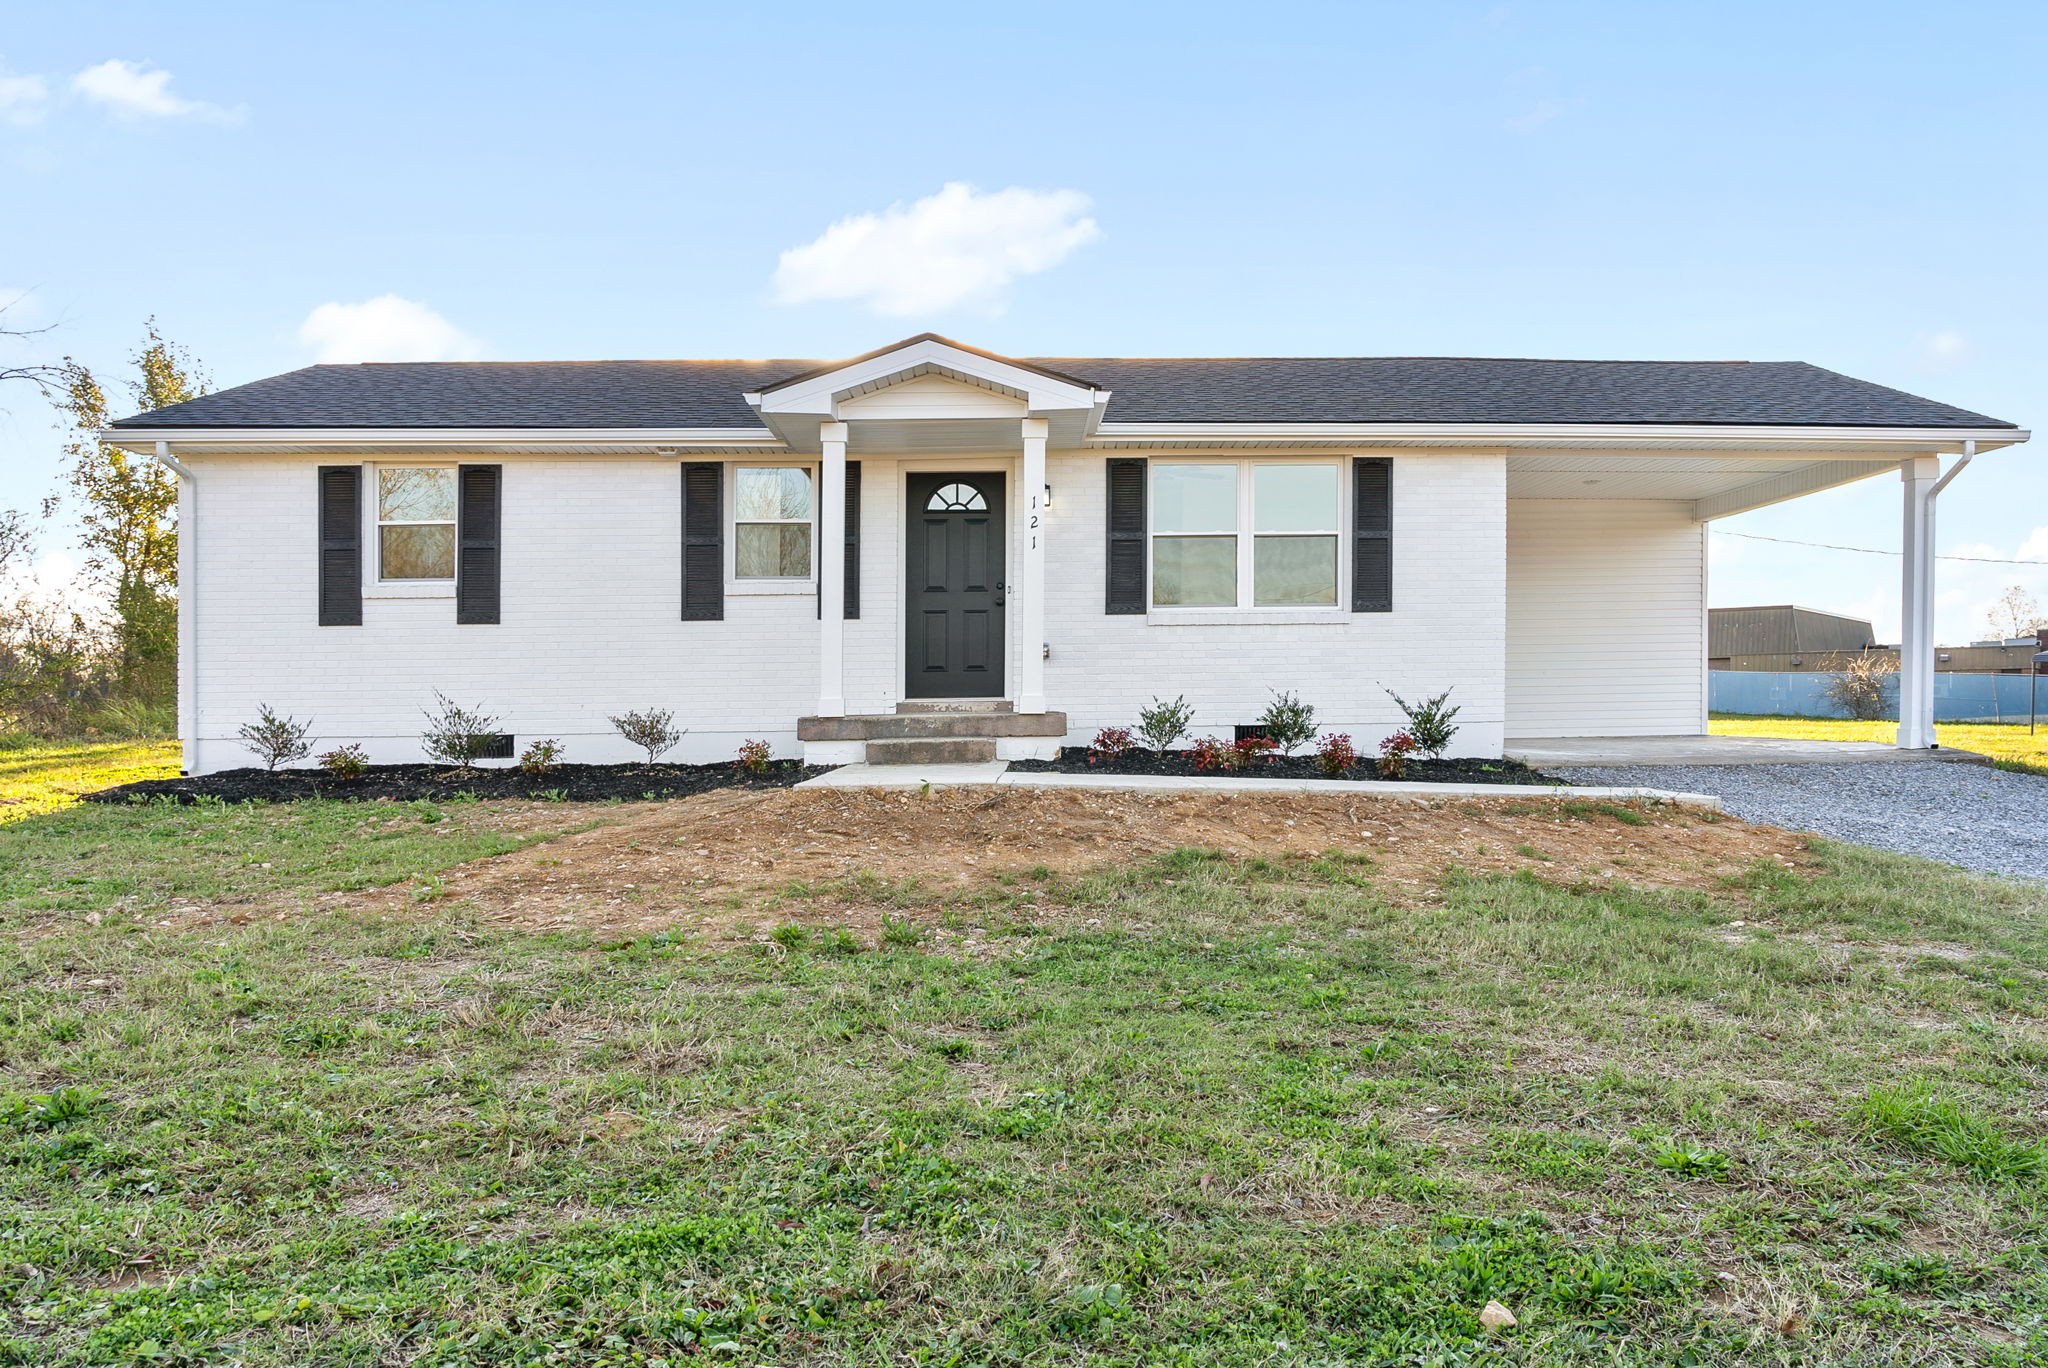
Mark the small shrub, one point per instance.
(541, 757)
(1163, 723)
(1289, 722)
(1110, 745)
(276, 740)
(1429, 722)
(1250, 750)
(754, 757)
(653, 731)
(1861, 686)
(456, 735)
(1210, 754)
(1394, 753)
(345, 762)
(1335, 754)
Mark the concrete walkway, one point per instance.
(1602, 751)
(998, 773)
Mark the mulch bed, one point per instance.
(1075, 760)
(405, 783)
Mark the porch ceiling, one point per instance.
(1716, 486)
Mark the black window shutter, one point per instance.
(1372, 534)
(1125, 581)
(703, 541)
(479, 490)
(341, 546)
(853, 539)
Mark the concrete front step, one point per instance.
(966, 751)
(955, 705)
(931, 726)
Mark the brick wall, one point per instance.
(591, 620)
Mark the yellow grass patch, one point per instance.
(43, 776)
(2006, 742)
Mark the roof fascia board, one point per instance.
(1621, 434)
(814, 395)
(441, 437)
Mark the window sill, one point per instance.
(427, 589)
(770, 588)
(1246, 617)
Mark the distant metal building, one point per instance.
(1782, 637)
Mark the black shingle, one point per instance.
(1400, 389)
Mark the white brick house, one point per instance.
(796, 551)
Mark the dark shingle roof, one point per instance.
(1401, 389)
(1441, 389)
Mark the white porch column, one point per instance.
(1028, 593)
(831, 553)
(1916, 604)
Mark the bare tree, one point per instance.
(40, 374)
(2016, 614)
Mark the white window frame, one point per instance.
(1244, 611)
(784, 584)
(374, 583)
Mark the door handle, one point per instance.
(999, 593)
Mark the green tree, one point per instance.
(127, 511)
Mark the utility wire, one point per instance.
(1869, 550)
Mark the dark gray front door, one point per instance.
(954, 617)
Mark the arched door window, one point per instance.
(956, 498)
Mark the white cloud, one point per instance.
(959, 247)
(1944, 349)
(386, 328)
(1536, 116)
(23, 98)
(132, 90)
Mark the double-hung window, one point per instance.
(773, 509)
(415, 523)
(1258, 534)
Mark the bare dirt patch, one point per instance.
(722, 862)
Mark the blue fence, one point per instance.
(1957, 697)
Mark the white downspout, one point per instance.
(188, 604)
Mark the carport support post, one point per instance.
(828, 551)
(1916, 604)
(1030, 588)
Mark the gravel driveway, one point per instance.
(1983, 819)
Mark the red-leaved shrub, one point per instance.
(1394, 753)
(1110, 745)
(1335, 754)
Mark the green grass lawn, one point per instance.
(2007, 743)
(43, 776)
(1192, 1112)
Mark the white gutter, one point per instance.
(329, 438)
(188, 598)
(627, 440)
(1616, 433)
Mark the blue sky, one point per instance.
(1856, 185)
